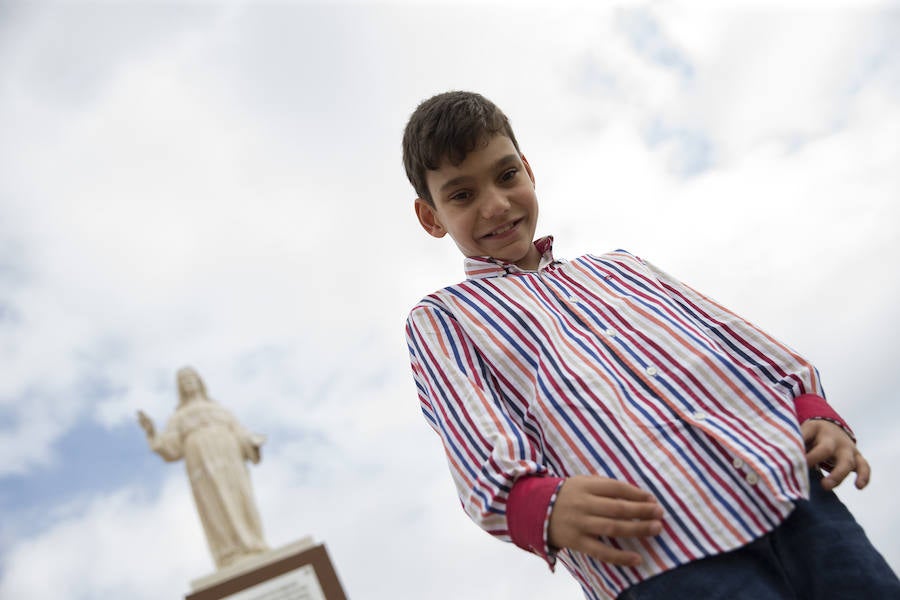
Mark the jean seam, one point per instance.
(773, 545)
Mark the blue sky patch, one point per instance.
(649, 41)
(694, 149)
(89, 459)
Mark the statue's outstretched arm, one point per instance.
(167, 444)
(146, 424)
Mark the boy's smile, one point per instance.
(487, 204)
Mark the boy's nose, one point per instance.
(494, 204)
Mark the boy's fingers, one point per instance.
(603, 527)
(608, 554)
(820, 453)
(863, 471)
(614, 508)
(613, 488)
(817, 456)
(844, 463)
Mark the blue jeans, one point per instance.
(818, 553)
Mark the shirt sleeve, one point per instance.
(749, 345)
(528, 509)
(487, 449)
(811, 406)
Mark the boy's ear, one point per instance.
(428, 219)
(527, 167)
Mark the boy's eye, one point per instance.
(508, 175)
(460, 196)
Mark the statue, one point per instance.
(214, 447)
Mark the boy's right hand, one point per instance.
(588, 507)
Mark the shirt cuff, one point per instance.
(528, 510)
(813, 406)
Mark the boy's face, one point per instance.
(486, 203)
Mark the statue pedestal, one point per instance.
(297, 571)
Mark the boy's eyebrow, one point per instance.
(509, 158)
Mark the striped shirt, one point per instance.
(606, 365)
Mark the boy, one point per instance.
(602, 413)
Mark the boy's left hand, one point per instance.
(828, 443)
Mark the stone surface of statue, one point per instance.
(215, 448)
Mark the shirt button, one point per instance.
(651, 371)
(700, 416)
(611, 332)
(752, 478)
(573, 299)
(737, 463)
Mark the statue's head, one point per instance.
(189, 385)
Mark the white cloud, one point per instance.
(126, 544)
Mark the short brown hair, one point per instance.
(449, 125)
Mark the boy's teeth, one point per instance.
(502, 229)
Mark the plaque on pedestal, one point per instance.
(298, 571)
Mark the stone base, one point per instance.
(298, 571)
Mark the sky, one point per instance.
(219, 184)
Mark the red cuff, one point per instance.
(812, 406)
(528, 512)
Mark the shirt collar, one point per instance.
(480, 267)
